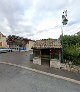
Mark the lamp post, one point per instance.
(64, 22)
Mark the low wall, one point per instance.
(70, 67)
(56, 64)
(37, 60)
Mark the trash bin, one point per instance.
(31, 57)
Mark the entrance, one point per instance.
(45, 57)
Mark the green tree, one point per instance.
(71, 48)
(15, 40)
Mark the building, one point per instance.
(23, 44)
(3, 43)
(47, 52)
(29, 44)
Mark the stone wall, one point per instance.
(55, 63)
(67, 66)
(37, 60)
(70, 67)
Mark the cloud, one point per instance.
(50, 5)
(13, 10)
(38, 19)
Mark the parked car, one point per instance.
(4, 50)
(9, 50)
(23, 50)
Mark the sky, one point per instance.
(39, 19)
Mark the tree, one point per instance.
(14, 40)
(71, 48)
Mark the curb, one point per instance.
(45, 73)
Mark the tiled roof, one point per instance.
(47, 43)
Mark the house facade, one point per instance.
(47, 52)
(3, 43)
(29, 45)
(26, 44)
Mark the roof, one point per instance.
(47, 43)
(2, 35)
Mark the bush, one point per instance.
(71, 48)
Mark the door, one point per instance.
(45, 57)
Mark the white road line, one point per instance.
(45, 73)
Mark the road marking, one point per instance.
(45, 73)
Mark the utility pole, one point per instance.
(64, 22)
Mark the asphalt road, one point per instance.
(14, 79)
(15, 57)
(23, 58)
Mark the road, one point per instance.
(14, 79)
(15, 57)
(23, 58)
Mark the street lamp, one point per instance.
(64, 18)
(64, 22)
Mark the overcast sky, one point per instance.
(38, 19)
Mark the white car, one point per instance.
(4, 50)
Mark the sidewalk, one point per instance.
(55, 71)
